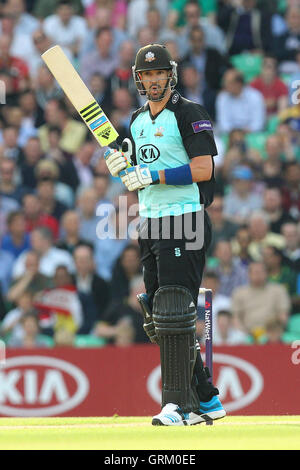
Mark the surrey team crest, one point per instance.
(149, 57)
(159, 132)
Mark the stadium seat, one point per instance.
(272, 124)
(293, 325)
(248, 64)
(88, 341)
(257, 141)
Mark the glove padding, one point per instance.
(136, 177)
(115, 161)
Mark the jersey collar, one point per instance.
(171, 104)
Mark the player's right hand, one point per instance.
(115, 161)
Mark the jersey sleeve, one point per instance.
(196, 130)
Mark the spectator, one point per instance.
(31, 338)
(40, 44)
(226, 333)
(14, 65)
(123, 104)
(102, 18)
(50, 203)
(17, 239)
(121, 78)
(122, 324)
(11, 148)
(211, 281)
(50, 257)
(261, 236)
(11, 327)
(242, 200)
(213, 34)
(117, 8)
(126, 268)
(274, 330)
(7, 205)
(101, 184)
(273, 89)
(32, 155)
(291, 236)
(291, 190)
(191, 84)
(8, 186)
(272, 166)
(31, 281)
(210, 65)
(87, 203)
(247, 28)
(67, 171)
(46, 88)
(35, 217)
(272, 208)
(65, 28)
(222, 229)
(70, 227)
(176, 18)
(230, 271)
(59, 308)
(73, 131)
(239, 106)
(259, 302)
(32, 113)
(101, 59)
(24, 22)
(6, 263)
(94, 293)
(281, 274)
(286, 46)
(82, 162)
(240, 246)
(136, 22)
(100, 90)
(112, 238)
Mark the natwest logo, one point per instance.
(239, 382)
(40, 386)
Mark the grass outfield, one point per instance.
(119, 433)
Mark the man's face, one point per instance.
(257, 274)
(197, 41)
(154, 82)
(192, 14)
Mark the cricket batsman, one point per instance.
(172, 148)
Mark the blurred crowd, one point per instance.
(64, 283)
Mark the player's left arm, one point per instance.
(200, 169)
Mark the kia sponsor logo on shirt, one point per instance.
(148, 153)
(40, 386)
(240, 383)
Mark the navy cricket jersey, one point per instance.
(180, 132)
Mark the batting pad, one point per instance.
(174, 317)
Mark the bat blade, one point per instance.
(80, 96)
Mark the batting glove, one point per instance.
(115, 161)
(138, 177)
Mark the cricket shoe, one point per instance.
(209, 411)
(171, 415)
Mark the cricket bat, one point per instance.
(80, 96)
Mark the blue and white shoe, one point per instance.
(171, 415)
(209, 411)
